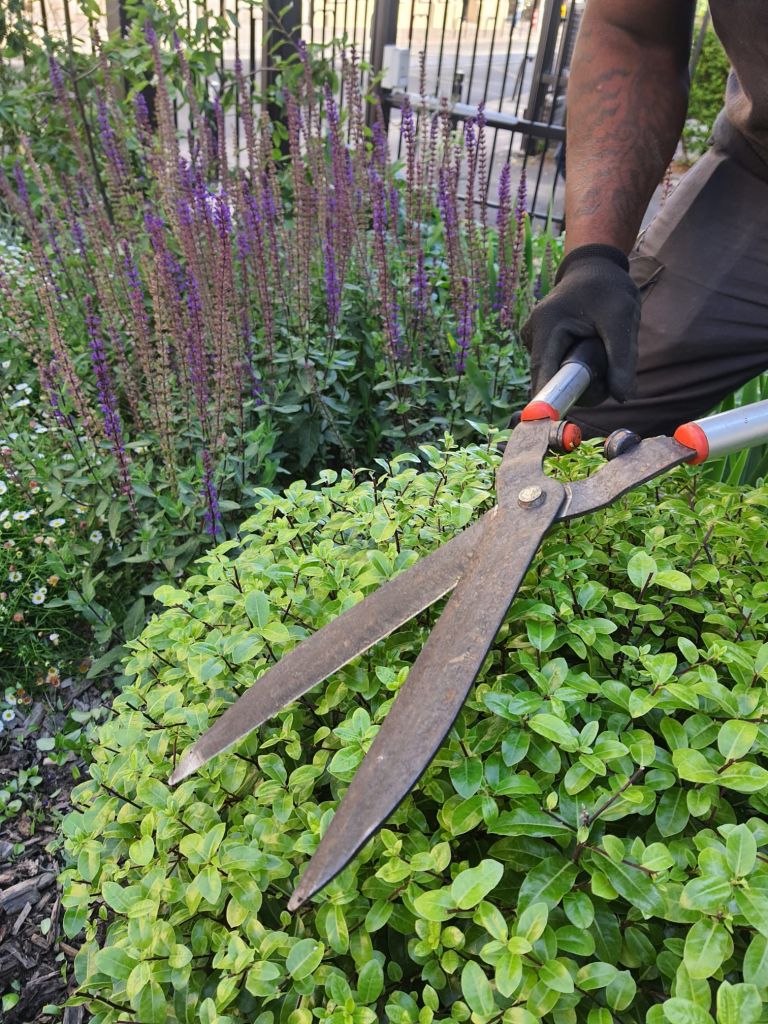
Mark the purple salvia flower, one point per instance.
(21, 187)
(47, 375)
(143, 123)
(502, 226)
(420, 289)
(379, 154)
(107, 398)
(464, 338)
(332, 284)
(109, 144)
(56, 76)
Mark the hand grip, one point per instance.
(725, 432)
(584, 366)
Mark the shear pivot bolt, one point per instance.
(530, 497)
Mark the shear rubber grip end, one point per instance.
(536, 410)
(692, 436)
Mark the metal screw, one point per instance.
(530, 497)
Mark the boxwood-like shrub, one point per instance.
(589, 844)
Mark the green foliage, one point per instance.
(706, 96)
(588, 845)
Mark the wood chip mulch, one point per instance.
(35, 956)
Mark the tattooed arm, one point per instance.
(627, 97)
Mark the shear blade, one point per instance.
(335, 645)
(436, 688)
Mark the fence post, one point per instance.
(383, 33)
(282, 31)
(117, 19)
(545, 58)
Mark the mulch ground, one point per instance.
(35, 955)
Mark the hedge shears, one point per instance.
(484, 566)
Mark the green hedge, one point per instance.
(589, 844)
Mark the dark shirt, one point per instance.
(742, 26)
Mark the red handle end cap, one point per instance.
(538, 411)
(692, 436)
(571, 437)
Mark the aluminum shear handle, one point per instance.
(484, 567)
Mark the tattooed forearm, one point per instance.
(626, 105)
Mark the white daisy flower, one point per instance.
(96, 537)
(4, 514)
(3, 487)
(54, 638)
(14, 576)
(38, 597)
(56, 523)
(8, 715)
(18, 405)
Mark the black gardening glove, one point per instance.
(594, 296)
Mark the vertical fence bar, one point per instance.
(542, 68)
(44, 16)
(282, 32)
(383, 33)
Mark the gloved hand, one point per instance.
(594, 296)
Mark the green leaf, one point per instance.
(735, 739)
(555, 729)
(640, 568)
(532, 922)
(467, 776)
(435, 905)
(541, 633)
(548, 882)
(579, 909)
(491, 918)
(595, 975)
(142, 851)
(257, 608)
(336, 929)
(304, 958)
(672, 579)
(633, 884)
(477, 991)
(756, 962)
(707, 945)
(509, 973)
(683, 1011)
(370, 982)
(741, 850)
(179, 956)
(115, 962)
(556, 975)
(753, 905)
(744, 777)
(707, 894)
(692, 766)
(138, 979)
(208, 884)
(738, 1004)
(620, 992)
(473, 885)
(672, 812)
(151, 1005)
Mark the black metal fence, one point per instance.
(510, 56)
